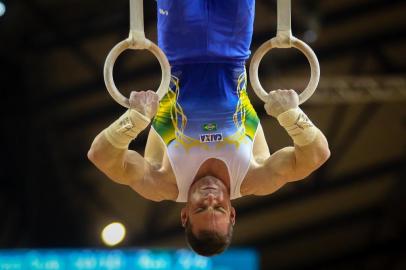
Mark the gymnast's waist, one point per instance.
(204, 67)
(180, 62)
(219, 83)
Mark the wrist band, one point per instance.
(126, 128)
(298, 126)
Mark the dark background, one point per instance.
(350, 214)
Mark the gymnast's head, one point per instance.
(208, 217)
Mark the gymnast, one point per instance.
(206, 145)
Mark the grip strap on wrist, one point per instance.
(298, 126)
(126, 128)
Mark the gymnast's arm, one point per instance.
(109, 151)
(291, 163)
(117, 163)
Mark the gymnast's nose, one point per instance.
(210, 199)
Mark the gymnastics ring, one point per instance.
(135, 41)
(128, 44)
(284, 39)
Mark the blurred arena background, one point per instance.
(350, 214)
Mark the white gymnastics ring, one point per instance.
(275, 43)
(135, 45)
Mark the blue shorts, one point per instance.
(196, 31)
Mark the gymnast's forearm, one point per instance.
(109, 151)
(311, 156)
(108, 158)
(310, 149)
(296, 162)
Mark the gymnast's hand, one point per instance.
(145, 102)
(280, 101)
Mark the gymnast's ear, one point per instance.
(184, 216)
(232, 215)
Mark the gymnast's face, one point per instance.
(208, 207)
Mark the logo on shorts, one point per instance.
(214, 137)
(210, 127)
(163, 12)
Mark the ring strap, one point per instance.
(136, 20)
(284, 29)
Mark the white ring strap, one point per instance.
(284, 39)
(284, 29)
(135, 41)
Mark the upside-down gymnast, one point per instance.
(206, 145)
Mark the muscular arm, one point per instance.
(291, 163)
(117, 163)
(125, 166)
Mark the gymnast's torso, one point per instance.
(206, 113)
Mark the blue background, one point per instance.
(47, 259)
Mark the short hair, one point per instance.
(208, 243)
